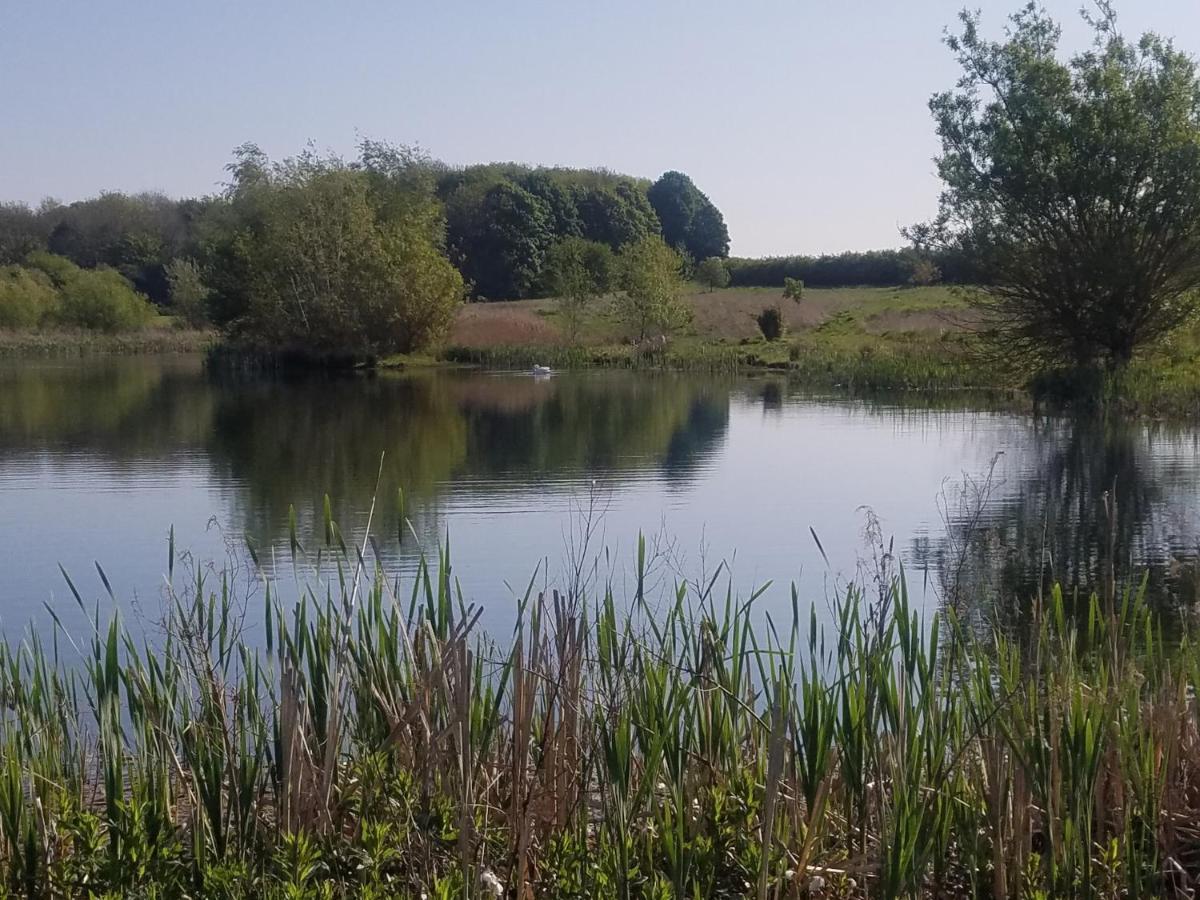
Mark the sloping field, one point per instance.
(724, 315)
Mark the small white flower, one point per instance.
(790, 874)
(490, 883)
(816, 884)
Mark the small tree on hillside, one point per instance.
(924, 273)
(577, 272)
(793, 289)
(1075, 186)
(713, 273)
(651, 289)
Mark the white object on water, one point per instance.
(541, 370)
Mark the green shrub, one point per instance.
(102, 300)
(58, 269)
(26, 297)
(770, 323)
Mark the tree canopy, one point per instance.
(326, 255)
(499, 237)
(503, 218)
(336, 258)
(1075, 184)
(650, 303)
(690, 221)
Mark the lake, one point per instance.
(100, 458)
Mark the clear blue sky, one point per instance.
(804, 120)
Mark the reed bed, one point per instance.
(368, 741)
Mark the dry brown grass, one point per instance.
(724, 315)
(516, 322)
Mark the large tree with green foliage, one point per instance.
(503, 218)
(339, 259)
(616, 215)
(499, 237)
(1075, 184)
(690, 221)
(650, 302)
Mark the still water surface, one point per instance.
(100, 458)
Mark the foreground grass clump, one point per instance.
(370, 743)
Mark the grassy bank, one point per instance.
(865, 339)
(915, 339)
(159, 338)
(369, 742)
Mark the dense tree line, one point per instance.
(328, 256)
(503, 220)
(371, 254)
(882, 268)
(497, 223)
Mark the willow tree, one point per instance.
(1074, 184)
(335, 259)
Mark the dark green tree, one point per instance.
(1075, 184)
(617, 215)
(689, 219)
(22, 231)
(499, 239)
(560, 199)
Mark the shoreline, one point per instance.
(835, 353)
(151, 341)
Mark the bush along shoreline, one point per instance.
(365, 739)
